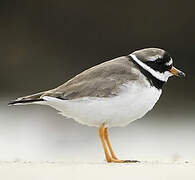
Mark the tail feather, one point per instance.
(27, 99)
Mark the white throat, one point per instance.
(161, 76)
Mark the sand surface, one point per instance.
(94, 170)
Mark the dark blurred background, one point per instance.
(45, 43)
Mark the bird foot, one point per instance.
(113, 160)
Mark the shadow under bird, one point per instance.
(114, 93)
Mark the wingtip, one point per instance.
(20, 101)
(11, 103)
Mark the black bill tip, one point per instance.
(181, 74)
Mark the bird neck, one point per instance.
(152, 79)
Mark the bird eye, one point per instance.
(159, 61)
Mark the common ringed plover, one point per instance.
(114, 93)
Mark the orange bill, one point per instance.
(176, 72)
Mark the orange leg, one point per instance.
(108, 143)
(103, 134)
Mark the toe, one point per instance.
(131, 161)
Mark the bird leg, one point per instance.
(108, 143)
(103, 134)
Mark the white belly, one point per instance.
(133, 102)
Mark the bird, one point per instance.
(111, 94)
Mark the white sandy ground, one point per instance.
(94, 170)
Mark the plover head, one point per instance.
(157, 62)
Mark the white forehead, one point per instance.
(170, 62)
